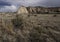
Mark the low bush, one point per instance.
(18, 22)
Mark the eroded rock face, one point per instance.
(43, 10)
(38, 10)
(22, 10)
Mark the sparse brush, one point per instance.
(17, 22)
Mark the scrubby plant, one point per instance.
(34, 35)
(18, 22)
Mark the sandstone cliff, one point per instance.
(22, 10)
(39, 10)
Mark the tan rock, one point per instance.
(22, 10)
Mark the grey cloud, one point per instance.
(11, 8)
(18, 3)
(35, 2)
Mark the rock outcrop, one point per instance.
(22, 10)
(39, 10)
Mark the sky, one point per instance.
(13, 5)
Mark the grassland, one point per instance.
(29, 27)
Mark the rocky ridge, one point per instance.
(38, 10)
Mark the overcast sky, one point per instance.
(12, 5)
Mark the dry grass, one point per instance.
(30, 28)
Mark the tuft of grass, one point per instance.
(17, 22)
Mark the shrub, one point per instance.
(18, 22)
(34, 36)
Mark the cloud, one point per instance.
(24, 2)
(2, 3)
(7, 4)
(35, 2)
(11, 8)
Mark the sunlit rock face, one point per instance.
(22, 10)
(38, 10)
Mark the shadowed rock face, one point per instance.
(39, 10)
(43, 10)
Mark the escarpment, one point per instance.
(38, 10)
(22, 10)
